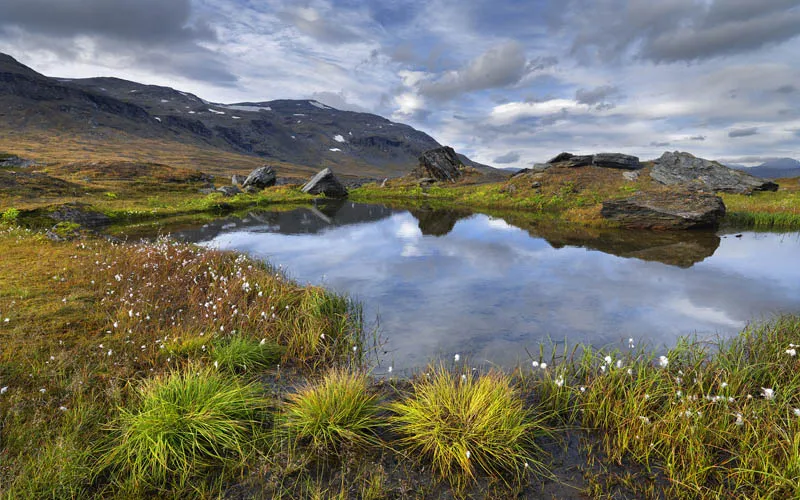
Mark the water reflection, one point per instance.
(449, 282)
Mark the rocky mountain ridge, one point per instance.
(300, 132)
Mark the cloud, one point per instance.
(322, 26)
(659, 144)
(510, 157)
(743, 132)
(697, 138)
(164, 36)
(786, 89)
(677, 30)
(597, 95)
(500, 66)
(336, 100)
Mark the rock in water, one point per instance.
(666, 211)
(325, 183)
(261, 178)
(686, 169)
(616, 160)
(441, 164)
(229, 190)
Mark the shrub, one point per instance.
(462, 423)
(338, 410)
(10, 216)
(184, 423)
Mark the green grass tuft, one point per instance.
(184, 423)
(239, 354)
(337, 411)
(463, 424)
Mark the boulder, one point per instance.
(616, 160)
(680, 168)
(229, 190)
(630, 176)
(325, 183)
(237, 180)
(571, 160)
(260, 178)
(441, 164)
(7, 160)
(666, 210)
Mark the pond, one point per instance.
(490, 289)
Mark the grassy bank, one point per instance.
(165, 370)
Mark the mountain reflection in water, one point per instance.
(448, 281)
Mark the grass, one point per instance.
(462, 423)
(340, 410)
(239, 354)
(185, 423)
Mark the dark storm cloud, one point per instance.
(596, 95)
(160, 35)
(143, 21)
(510, 157)
(678, 30)
(743, 132)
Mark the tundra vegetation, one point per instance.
(159, 369)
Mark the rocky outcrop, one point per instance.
(666, 211)
(325, 183)
(79, 214)
(260, 178)
(237, 180)
(229, 190)
(441, 164)
(604, 160)
(15, 161)
(685, 169)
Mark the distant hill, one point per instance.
(296, 132)
(777, 168)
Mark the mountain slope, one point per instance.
(777, 168)
(296, 132)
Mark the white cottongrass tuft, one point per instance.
(767, 393)
(456, 358)
(3, 389)
(791, 352)
(535, 364)
(663, 361)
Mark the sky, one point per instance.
(507, 82)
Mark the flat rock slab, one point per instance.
(325, 182)
(79, 214)
(604, 160)
(666, 211)
(685, 169)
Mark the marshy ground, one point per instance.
(160, 369)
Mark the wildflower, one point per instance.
(322, 336)
(62, 408)
(608, 360)
(543, 366)
(535, 364)
(110, 352)
(630, 371)
(6, 320)
(796, 412)
(791, 352)
(42, 390)
(468, 454)
(560, 381)
(464, 379)
(739, 419)
(216, 364)
(389, 370)
(3, 389)
(767, 393)
(663, 361)
(355, 349)
(679, 394)
(630, 343)
(723, 385)
(456, 358)
(619, 363)
(263, 341)
(603, 368)
(644, 419)
(116, 324)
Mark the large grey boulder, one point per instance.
(571, 160)
(680, 168)
(325, 183)
(441, 164)
(666, 210)
(260, 178)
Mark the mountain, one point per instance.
(776, 168)
(114, 112)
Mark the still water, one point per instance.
(444, 282)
